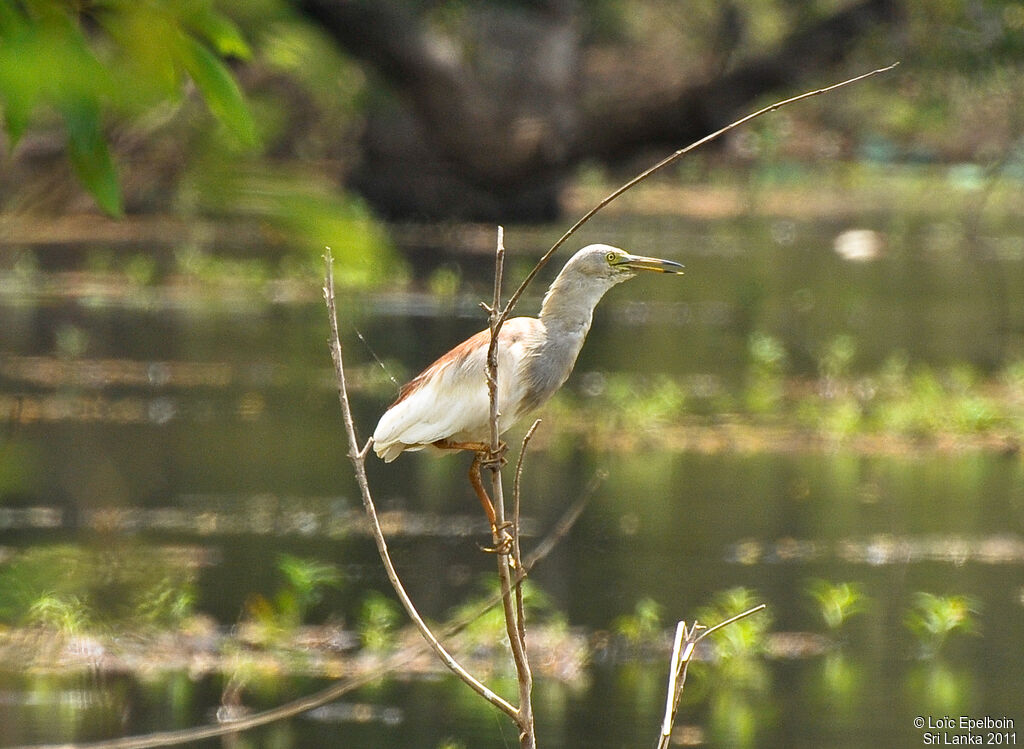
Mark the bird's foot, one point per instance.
(494, 459)
(503, 541)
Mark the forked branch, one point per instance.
(685, 643)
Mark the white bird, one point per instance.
(447, 406)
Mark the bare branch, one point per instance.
(514, 299)
(515, 627)
(359, 464)
(517, 556)
(516, 492)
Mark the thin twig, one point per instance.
(517, 556)
(514, 299)
(359, 464)
(516, 503)
(558, 532)
(730, 620)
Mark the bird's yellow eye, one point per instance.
(611, 257)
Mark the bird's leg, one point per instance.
(492, 459)
(484, 456)
(502, 539)
(481, 492)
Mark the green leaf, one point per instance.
(219, 89)
(87, 149)
(17, 111)
(219, 31)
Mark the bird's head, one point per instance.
(590, 273)
(611, 263)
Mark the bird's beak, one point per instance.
(639, 262)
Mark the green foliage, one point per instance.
(87, 149)
(765, 375)
(740, 639)
(642, 626)
(303, 210)
(933, 619)
(445, 281)
(305, 582)
(741, 677)
(76, 588)
(379, 617)
(837, 602)
(923, 402)
(124, 57)
(64, 613)
(834, 362)
(219, 89)
(488, 628)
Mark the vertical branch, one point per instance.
(358, 458)
(515, 626)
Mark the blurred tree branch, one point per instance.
(509, 113)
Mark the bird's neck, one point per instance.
(568, 306)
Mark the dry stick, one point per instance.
(514, 625)
(514, 299)
(682, 652)
(516, 495)
(358, 458)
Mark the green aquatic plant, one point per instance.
(836, 357)
(743, 638)
(379, 617)
(75, 588)
(485, 628)
(305, 583)
(643, 625)
(933, 619)
(837, 602)
(64, 613)
(765, 373)
(270, 619)
(739, 683)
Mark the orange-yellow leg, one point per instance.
(502, 540)
(481, 492)
(483, 456)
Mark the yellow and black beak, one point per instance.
(639, 262)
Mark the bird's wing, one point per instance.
(449, 400)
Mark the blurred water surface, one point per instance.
(202, 433)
